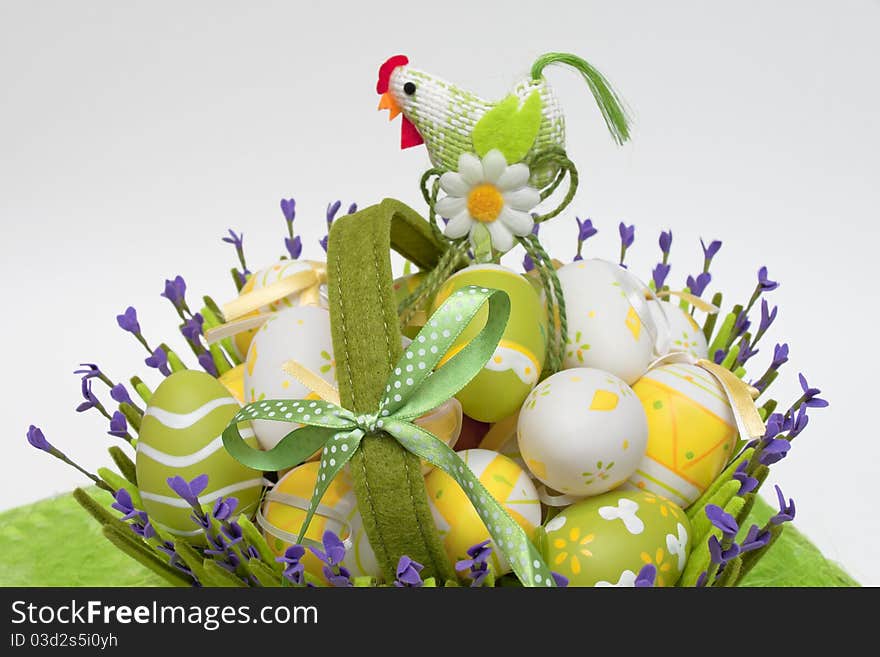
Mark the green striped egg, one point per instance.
(182, 434)
(502, 385)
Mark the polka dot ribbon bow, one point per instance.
(416, 385)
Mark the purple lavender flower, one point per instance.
(709, 252)
(118, 426)
(718, 554)
(352, 208)
(702, 580)
(646, 577)
(780, 356)
(224, 508)
(206, 360)
(123, 503)
(661, 271)
(175, 292)
(786, 512)
(323, 242)
(90, 371)
(747, 483)
(719, 356)
(339, 576)
(745, 351)
(799, 423)
(477, 564)
(90, 400)
(741, 325)
(189, 490)
(128, 321)
(408, 573)
(561, 580)
(773, 451)
(764, 283)
(193, 328)
(294, 247)
(810, 397)
(288, 209)
(699, 284)
(36, 439)
(528, 263)
(585, 229)
(665, 242)
(159, 361)
(332, 209)
(236, 239)
(722, 520)
(120, 395)
(755, 539)
(768, 316)
(334, 549)
(294, 570)
(627, 234)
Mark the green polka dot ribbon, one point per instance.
(418, 384)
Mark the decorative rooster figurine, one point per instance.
(451, 121)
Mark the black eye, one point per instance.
(409, 88)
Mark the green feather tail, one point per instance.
(607, 99)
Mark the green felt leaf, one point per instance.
(265, 575)
(214, 575)
(509, 128)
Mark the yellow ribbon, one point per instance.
(312, 381)
(692, 299)
(740, 395)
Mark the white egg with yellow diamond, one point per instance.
(582, 432)
(609, 326)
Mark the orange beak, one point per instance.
(387, 102)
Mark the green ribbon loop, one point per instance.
(417, 384)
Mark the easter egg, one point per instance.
(301, 333)
(405, 286)
(458, 523)
(278, 272)
(499, 389)
(182, 435)
(678, 330)
(233, 381)
(582, 431)
(606, 540)
(444, 422)
(285, 509)
(605, 329)
(691, 432)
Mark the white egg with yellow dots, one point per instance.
(679, 331)
(302, 334)
(609, 325)
(582, 431)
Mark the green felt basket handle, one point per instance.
(387, 479)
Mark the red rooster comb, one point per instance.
(387, 69)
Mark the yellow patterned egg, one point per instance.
(582, 431)
(284, 512)
(605, 329)
(691, 432)
(457, 521)
(678, 330)
(266, 277)
(182, 434)
(501, 386)
(301, 333)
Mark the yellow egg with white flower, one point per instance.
(609, 325)
(691, 432)
(458, 523)
(499, 389)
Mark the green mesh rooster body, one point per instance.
(451, 121)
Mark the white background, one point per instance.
(132, 136)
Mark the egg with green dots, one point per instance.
(182, 435)
(606, 540)
(609, 324)
(582, 431)
(500, 388)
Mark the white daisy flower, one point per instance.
(488, 193)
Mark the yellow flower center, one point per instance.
(484, 203)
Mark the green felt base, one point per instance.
(56, 543)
